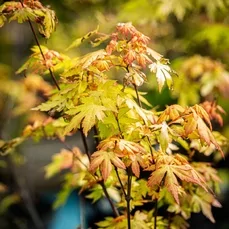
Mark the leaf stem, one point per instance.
(39, 46)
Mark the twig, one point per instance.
(128, 196)
(25, 195)
(137, 94)
(155, 214)
(114, 209)
(39, 46)
(120, 182)
(84, 140)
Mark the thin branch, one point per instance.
(128, 196)
(119, 127)
(39, 46)
(96, 136)
(155, 214)
(120, 182)
(114, 209)
(137, 94)
(109, 199)
(84, 140)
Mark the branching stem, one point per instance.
(39, 46)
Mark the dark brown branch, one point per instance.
(84, 140)
(114, 209)
(137, 94)
(155, 214)
(128, 196)
(39, 46)
(120, 182)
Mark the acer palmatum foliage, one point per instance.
(142, 156)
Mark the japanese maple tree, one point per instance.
(143, 157)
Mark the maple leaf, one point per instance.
(172, 112)
(22, 15)
(86, 115)
(163, 73)
(123, 148)
(214, 111)
(206, 135)
(47, 24)
(169, 168)
(203, 201)
(104, 160)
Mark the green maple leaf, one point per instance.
(22, 15)
(86, 115)
(104, 160)
(47, 25)
(96, 193)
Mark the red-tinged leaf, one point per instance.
(104, 160)
(168, 169)
(172, 112)
(135, 168)
(206, 135)
(106, 168)
(118, 163)
(96, 160)
(121, 147)
(202, 114)
(203, 131)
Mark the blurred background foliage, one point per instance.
(193, 34)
